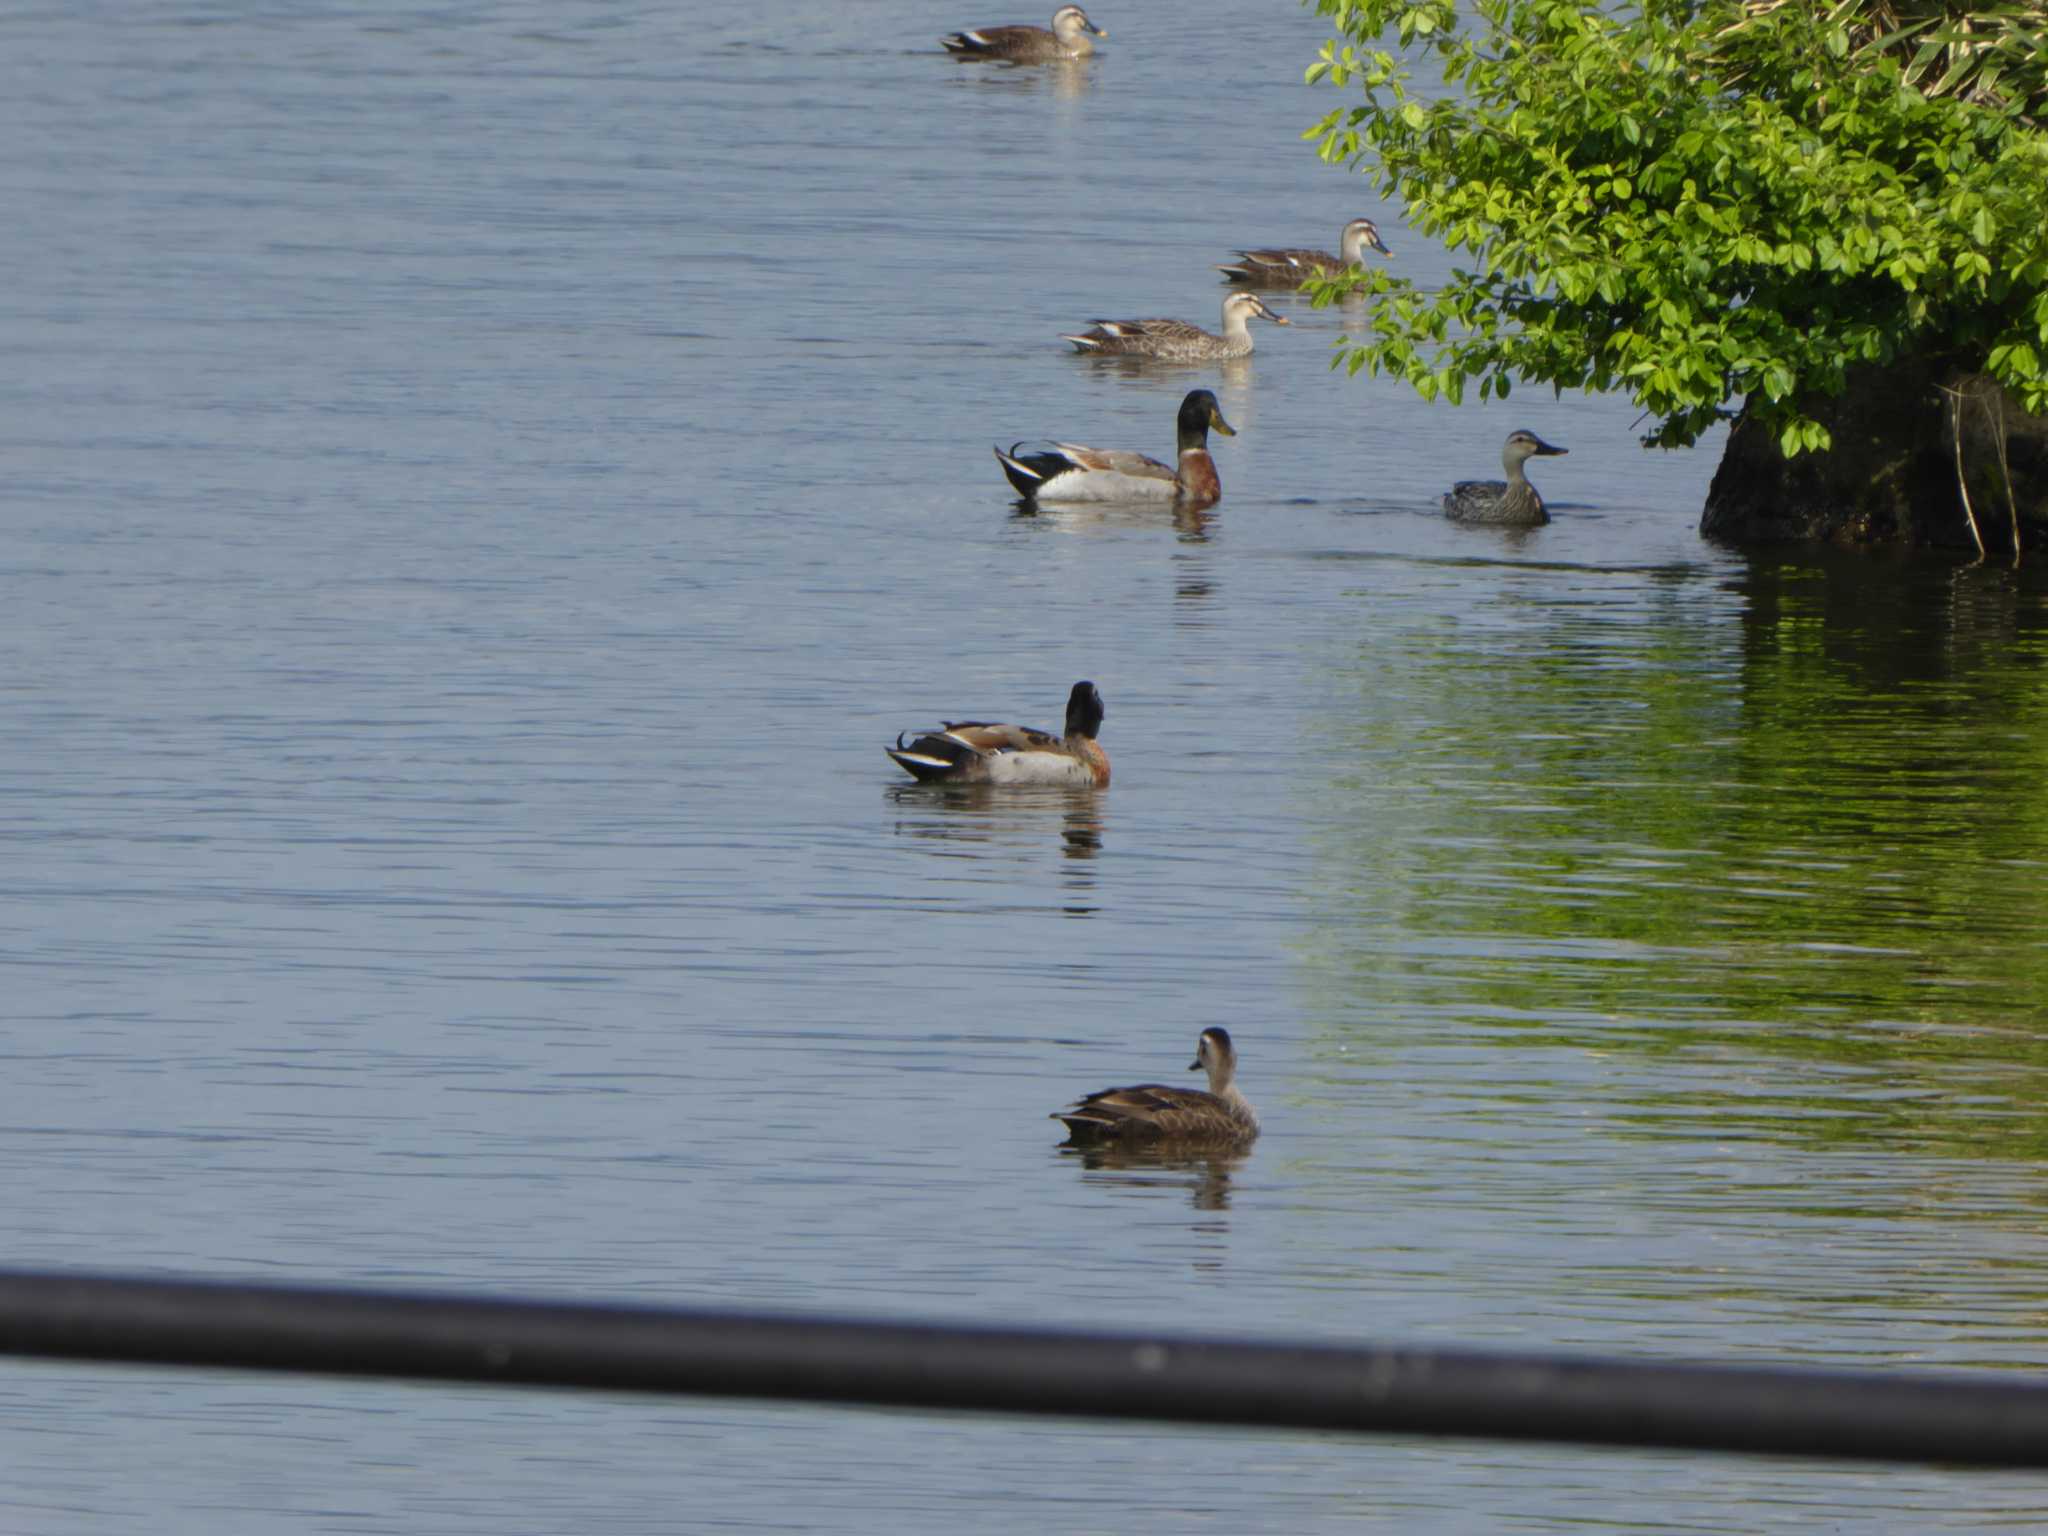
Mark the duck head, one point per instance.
(1215, 1052)
(1070, 21)
(1085, 711)
(1359, 234)
(1198, 413)
(1525, 445)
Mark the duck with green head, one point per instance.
(1065, 472)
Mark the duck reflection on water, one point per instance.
(984, 821)
(1204, 1175)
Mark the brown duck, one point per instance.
(1067, 38)
(1291, 266)
(1156, 1114)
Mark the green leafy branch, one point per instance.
(1700, 204)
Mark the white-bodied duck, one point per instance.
(977, 752)
(1069, 472)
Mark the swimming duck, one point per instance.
(1152, 1113)
(1509, 503)
(1177, 341)
(1290, 266)
(1066, 39)
(975, 752)
(1070, 472)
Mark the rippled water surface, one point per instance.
(483, 484)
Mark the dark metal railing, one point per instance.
(1894, 1415)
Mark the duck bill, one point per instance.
(1549, 450)
(1218, 424)
(1195, 1065)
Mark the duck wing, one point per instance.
(1287, 266)
(986, 736)
(1146, 1111)
(1153, 335)
(1155, 329)
(1114, 461)
(1001, 40)
(1305, 261)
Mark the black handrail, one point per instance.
(1894, 1415)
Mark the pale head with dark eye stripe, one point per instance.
(1070, 21)
(1359, 234)
(1240, 309)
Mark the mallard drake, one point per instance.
(1177, 341)
(1070, 472)
(1067, 38)
(1511, 503)
(1152, 1113)
(975, 752)
(1291, 266)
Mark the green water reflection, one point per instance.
(1787, 809)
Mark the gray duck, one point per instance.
(1509, 503)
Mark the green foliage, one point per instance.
(1701, 202)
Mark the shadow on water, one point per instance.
(1191, 525)
(1204, 1177)
(1599, 815)
(1003, 825)
(1066, 80)
(1232, 373)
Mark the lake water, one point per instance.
(484, 482)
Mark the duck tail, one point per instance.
(1084, 1129)
(1022, 476)
(933, 756)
